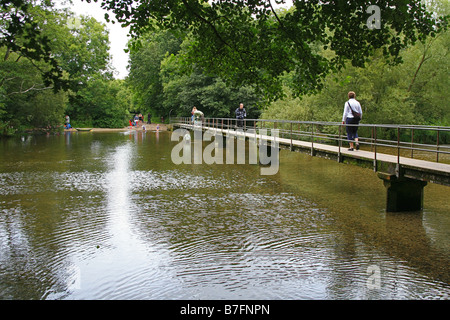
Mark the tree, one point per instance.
(84, 55)
(25, 99)
(249, 42)
(210, 94)
(410, 93)
(164, 84)
(82, 49)
(22, 34)
(102, 104)
(145, 67)
(81, 53)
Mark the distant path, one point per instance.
(148, 127)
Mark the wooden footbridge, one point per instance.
(405, 157)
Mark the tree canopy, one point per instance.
(216, 53)
(163, 85)
(250, 42)
(21, 32)
(413, 92)
(79, 51)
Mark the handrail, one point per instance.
(313, 132)
(403, 126)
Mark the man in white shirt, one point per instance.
(352, 115)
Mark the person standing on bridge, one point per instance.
(352, 115)
(240, 115)
(198, 116)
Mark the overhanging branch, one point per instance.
(34, 87)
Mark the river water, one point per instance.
(110, 216)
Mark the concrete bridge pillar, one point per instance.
(403, 194)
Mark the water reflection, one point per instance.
(112, 217)
(107, 274)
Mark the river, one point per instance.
(109, 216)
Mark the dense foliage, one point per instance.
(250, 42)
(297, 63)
(78, 48)
(409, 92)
(21, 32)
(413, 92)
(164, 85)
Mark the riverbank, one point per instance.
(148, 127)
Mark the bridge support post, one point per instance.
(403, 194)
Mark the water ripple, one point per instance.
(131, 226)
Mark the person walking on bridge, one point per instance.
(240, 115)
(198, 116)
(352, 116)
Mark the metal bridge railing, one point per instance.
(431, 143)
